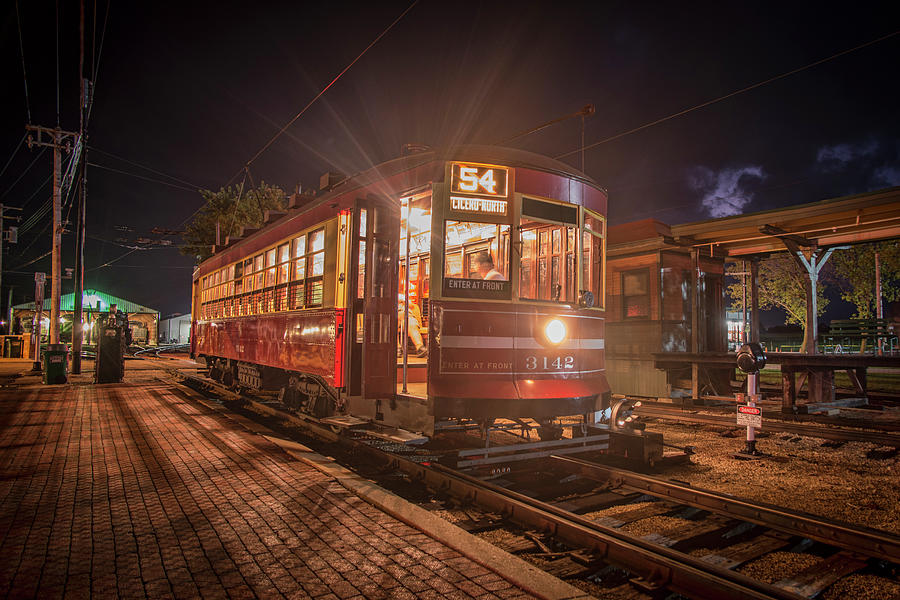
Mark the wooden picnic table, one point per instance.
(816, 370)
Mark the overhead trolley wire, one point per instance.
(106, 264)
(139, 165)
(726, 96)
(319, 95)
(180, 187)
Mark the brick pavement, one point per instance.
(133, 491)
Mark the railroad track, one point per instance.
(828, 432)
(571, 511)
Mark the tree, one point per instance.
(232, 208)
(854, 273)
(782, 284)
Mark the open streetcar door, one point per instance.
(372, 368)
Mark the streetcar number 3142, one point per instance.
(549, 362)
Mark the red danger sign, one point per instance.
(750, 416)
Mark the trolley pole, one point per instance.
(58, 140)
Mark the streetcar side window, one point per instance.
(307, 270)
(592, 263)
(296, 293)
(315, 285)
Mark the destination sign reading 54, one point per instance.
(478, 179)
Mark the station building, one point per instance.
(668, 330)
(143, 321)
(175, 329)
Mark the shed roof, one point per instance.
(865, 217)
(90, 300)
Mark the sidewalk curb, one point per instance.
(512, 568)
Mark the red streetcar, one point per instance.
(434, 290)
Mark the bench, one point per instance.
(859, 336)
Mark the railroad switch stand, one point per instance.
(751, 358)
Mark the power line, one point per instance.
(45, 255)
(13, 155)
(106, 264)
(24, 75)
(319, 95)
(36, 216)
(35, 193)
(34, 238)
(22, 174)
(136, 164)
(180, 187)
(97, 63)
(726, 96)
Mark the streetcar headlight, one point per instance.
(555, 330)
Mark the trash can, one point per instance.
(56, 364)
(109, 366)
(15, 347)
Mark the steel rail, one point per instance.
(657, 565)
(827, 433)
(865, 541)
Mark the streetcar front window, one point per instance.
(476, 251)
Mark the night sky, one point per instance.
(187, 93)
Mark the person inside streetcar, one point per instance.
(412, 325)
(484, 265)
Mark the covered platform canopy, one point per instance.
(809, 232)
(868, 217)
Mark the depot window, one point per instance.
(636, 294)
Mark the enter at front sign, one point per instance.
(750, 416)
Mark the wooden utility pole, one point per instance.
(11, 237)
(83, 103)
(58, 140)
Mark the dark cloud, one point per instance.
(839, 156)
(874, 162)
